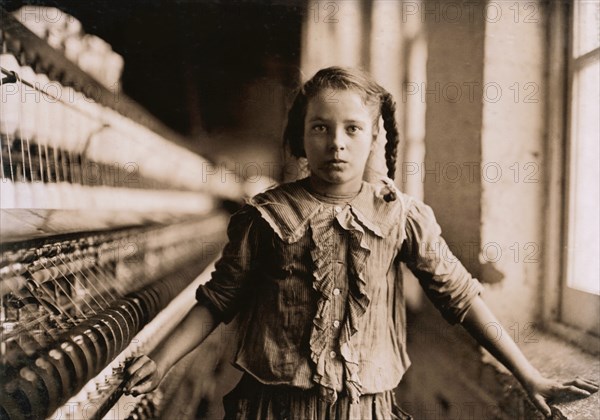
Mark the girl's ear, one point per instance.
(377, 129)
(377, 125)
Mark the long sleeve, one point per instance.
(223, 293)
(444, 279)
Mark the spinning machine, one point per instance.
(107, 224)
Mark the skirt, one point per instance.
(253, 400)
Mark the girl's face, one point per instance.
(338, 134)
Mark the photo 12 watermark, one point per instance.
(455, 12)
(526, 92)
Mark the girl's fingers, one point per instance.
(133, 381)
(589, 386)
(140, 375)
(541, 404)
(589, 381)
(573, 390)
(137, 363)
(584, 384)
(142, 388)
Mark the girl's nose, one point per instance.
(337, 140)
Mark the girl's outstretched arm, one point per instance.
(539, 388)
(147, 372)
(221, 293)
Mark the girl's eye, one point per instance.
(353, 129)
(319, 128)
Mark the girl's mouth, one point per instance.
(337, 165)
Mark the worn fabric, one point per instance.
(318, 286)
(252, 400)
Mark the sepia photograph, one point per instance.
(300, 209)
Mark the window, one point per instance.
(580, 299)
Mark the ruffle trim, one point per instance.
(358, 300)
(321, 253)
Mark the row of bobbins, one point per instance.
(36, 384)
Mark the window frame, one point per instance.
(559, 88)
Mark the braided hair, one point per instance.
(343, 78)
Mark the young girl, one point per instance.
(312, 270)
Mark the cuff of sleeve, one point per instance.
(203, 299)
(458, 312)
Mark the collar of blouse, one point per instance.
(289, 208)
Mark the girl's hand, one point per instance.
(542, 390)
(145, 376)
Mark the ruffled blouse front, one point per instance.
(356, 299)
(326, 304)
